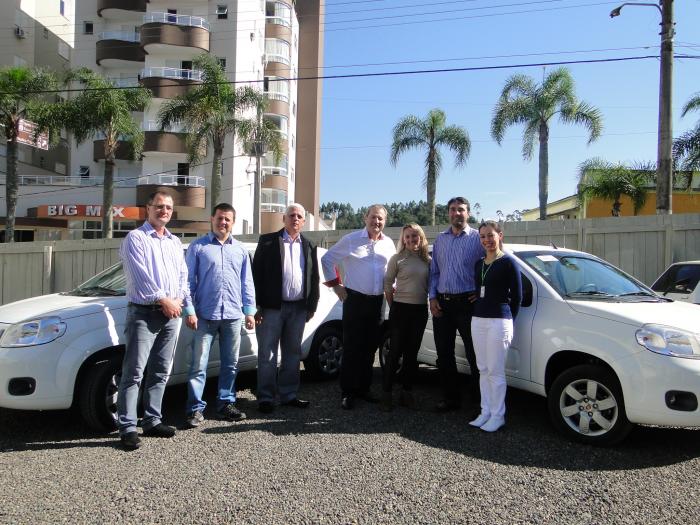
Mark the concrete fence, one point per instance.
(641, 246)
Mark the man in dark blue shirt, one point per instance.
(221, 284)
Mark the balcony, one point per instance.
(187, 190)
(270, 168)
(169, 33)
(118, 49)
(169, 82)
(277, 52)
(127, 10)
(125, 150)
(277, 92)
(62, 180)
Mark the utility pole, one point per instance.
(664, 166)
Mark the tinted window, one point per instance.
(679, 278)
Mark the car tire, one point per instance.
(326, 353)
(98, 394)
(586, 405)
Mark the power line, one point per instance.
(396, 73)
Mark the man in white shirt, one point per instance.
(363, 255)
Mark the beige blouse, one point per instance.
(411, 273)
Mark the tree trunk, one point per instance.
(11, 183)
(430, 183)
(215, 192)
(544, 169)
(108, 197)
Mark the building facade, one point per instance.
(152, 43)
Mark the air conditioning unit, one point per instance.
(19, 32)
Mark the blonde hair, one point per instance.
(422, 248)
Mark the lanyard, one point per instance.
(483, 264)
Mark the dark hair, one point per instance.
(496, 227)
(153, 196)
(224, 207)
(458, 200)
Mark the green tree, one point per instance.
(429, 135)
(525, 102)
(209, 113)
(686, 148)
(105, 110)
(601, 179)
(21, 98)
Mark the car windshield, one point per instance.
(579, 277)
(109, 282)
(679, 278)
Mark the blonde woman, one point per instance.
(406, 291)
(499, 288)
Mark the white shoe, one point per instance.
(479, 421)
(493, 424)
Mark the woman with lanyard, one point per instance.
(499, 294)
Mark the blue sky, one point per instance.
(359, 113)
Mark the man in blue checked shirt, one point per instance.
(452, 291)
(221, 283)
(157, 291)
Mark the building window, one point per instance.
(294, 108)
(183, 172)
(84, 172)
(59, 167)
(222, 62)
(62, 7)
(88, 27)
(46, 32)
(221, 12)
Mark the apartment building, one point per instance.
(152, 43)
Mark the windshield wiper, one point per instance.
(642, 293)
(99, 290)
(589, 293)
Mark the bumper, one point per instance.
(39, 363)
(647, 389)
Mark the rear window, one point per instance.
(679, 278)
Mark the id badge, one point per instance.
(482, 292)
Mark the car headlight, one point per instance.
(33, 332)
(668, 340)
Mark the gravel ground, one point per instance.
(325, 465)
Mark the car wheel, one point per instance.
(326, 353)
(98, 394)
(586, 405)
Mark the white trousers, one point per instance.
(491, 339)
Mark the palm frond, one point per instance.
(691, 105)
(456, 139)
(586, 115)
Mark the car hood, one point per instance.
(64, 306)
(679, 315)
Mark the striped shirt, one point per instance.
(154, 267)
(454, 257)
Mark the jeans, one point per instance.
(492, 337)
(407, 324)
(150, 343)
(229, 331)
(456, 317)
(282, 329)
(362, 319)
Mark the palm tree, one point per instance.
(522, 101)
(686, 148)
(105, 110)
(209, 113)
(21, 98)
(604, 180)
(430, 134)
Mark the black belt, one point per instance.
(360, 294)
(146, 306)
(454, 296)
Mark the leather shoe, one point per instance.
(447, 406)
(130, 440)
(160, 431)
(297, 403)
(266, 407)
(347, 403)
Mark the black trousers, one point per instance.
(362, 318)
(456, 317)
(407, 324)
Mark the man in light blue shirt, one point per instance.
(157, 291)
(221, 283)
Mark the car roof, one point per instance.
(686, 262)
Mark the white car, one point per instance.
(680, 282)
(65, 349)
(605, 350)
